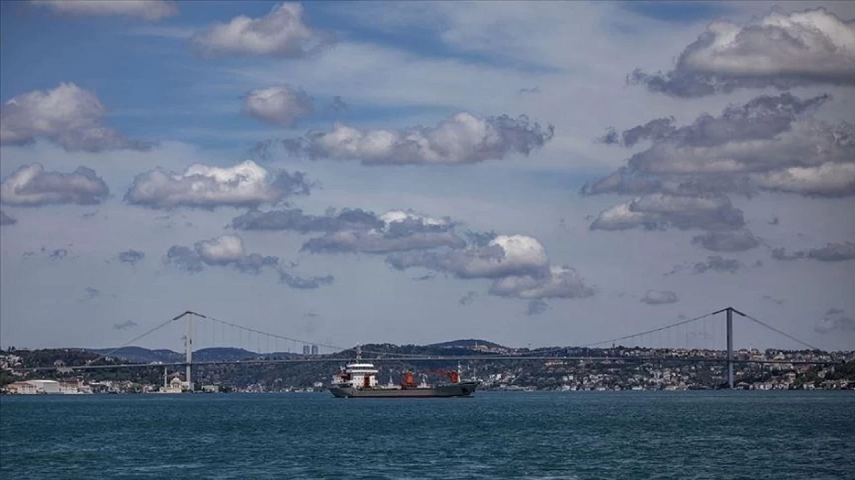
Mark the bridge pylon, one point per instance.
(188, 345)
(729, 311)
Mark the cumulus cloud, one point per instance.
(131, 256)
(717, 263)
(737, 241)
(828, 179)
(281, 33)
(90, 293)
(656, 129)
(338, 104)
(769, 143)
(246, 184)
(714, 263)
(228, 251)
(835, 319)
(660, 211)
(304, 283)
(279, 105)
(517, 264)
(143, 9)
(125, 325)
(295, 220)
(813, 47)
(57, 254)
(505, 255)
(659, 297)
(354, 231)
(463, 138)
(556, 282)
(831, 252)
(536, 307)
(468, 298)
(68, 116)
(6, 219)
(32, 186)
(778, 301)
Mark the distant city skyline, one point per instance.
(544, 174)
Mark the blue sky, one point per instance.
(479, 117)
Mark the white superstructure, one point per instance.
(357, 375)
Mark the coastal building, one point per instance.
(306, 350)
(21, 388)
(45, 386)
(314, 349)
(73, 387)
(172, 383)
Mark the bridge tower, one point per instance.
(188, 349)
(729, 311)
(188, 344)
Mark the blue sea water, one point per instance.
(540, 435)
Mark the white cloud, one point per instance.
(735, 241)
(228, 251)
(223, 249)
(660, 211)
(398, 231)
(560, 282)
(278, 104)
(280, 33)
(519, 253)
(835, 319)
(31, 185)
(802, 48)
(144, 9)
(401, 216)
(463, 138)
(518, 265)
(770, 142)
(6, 219)
(245, 184)
(659, 297)
(828, 179)
(67, 115)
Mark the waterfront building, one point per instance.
(21, 388)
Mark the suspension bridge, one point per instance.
(707, 338)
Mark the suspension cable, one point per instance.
(305, 342)
(683, 322)
(782, 333)
(100, 356)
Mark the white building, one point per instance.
(45, 386)
(176, 385)
(21, 388)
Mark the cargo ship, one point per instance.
(359, 380)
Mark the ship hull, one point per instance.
(462, 389)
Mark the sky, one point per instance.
(533, 174)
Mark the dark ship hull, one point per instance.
(462, 389)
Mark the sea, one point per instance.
(493, 435)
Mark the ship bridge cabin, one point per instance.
(357, 375)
